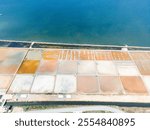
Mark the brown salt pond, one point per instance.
(47, 67)
(110, 85)
(69, 55)
(86, 55)
(120, 55)
(133, 84)
(140, 55)
(67, 67)
(28, 67)
(143, 66)
(87, 84)
(103, 55)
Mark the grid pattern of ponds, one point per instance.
(76, 71)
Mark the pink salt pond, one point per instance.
(87, 85)
(110, 85)
(47, 67)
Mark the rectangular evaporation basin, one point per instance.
(133, 85)
(127, 68)
(65, 84)
(146, 80)
(28, 67)
(11, 60)
(69, 55)
(87, 67)
(106, 68)
(140, 55)
(43, 84)
(120, 55)
(67, 67)
(110, 85)
(51, 54)
(15, 44)
(34, 55)
(143, 66)
(87, 85)
(4, 53)
(47, 67)
(103, 55)
(86, 55)
(5, 81)
(21, 84)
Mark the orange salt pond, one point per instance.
(51, 54)
(103, 55)
(133, 84)
(120, 55)
(28, 67)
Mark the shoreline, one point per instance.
(35, 44)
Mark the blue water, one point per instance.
(77, 21)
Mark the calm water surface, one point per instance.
(116, 22)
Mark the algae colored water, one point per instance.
(116, 22)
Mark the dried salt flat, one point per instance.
(106, 68)
(65, 84)
(34, 55)
(87, 67)
(43, 84)
(21, 84)
(127, 68)
(67, 67)
(5, 81)
(146, 80)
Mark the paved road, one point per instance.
(79, 109)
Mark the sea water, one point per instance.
(115, 22)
